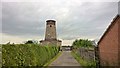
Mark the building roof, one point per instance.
(50, 21)
(112, 23)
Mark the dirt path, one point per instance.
(65, 59)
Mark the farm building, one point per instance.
(109, 44)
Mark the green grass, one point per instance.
(84, 63)
(48, 63)
(0, 60)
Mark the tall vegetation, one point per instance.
(82, 43)
(27, 54)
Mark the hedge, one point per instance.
(27, 54)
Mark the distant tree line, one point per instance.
(82, 43)
(27, 42)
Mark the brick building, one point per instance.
(50, 34)
(109, 44)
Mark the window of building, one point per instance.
(50, 25)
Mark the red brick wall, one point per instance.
(108, 46)
(119, 41)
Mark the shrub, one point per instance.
(27, 54)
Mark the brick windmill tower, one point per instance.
(50, 30)
(50, 34)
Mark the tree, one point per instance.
(29, 42)
(82, 43)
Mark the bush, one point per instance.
(27, 54)
(82, 43)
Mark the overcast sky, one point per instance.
(22, 21)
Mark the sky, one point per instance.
(23, 20)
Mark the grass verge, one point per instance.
(0, 60)
(48, 63)
(84, 63)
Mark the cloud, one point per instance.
(62, 0)
(75, 19)
(17, 21)
(119, 7)
(89, 19)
